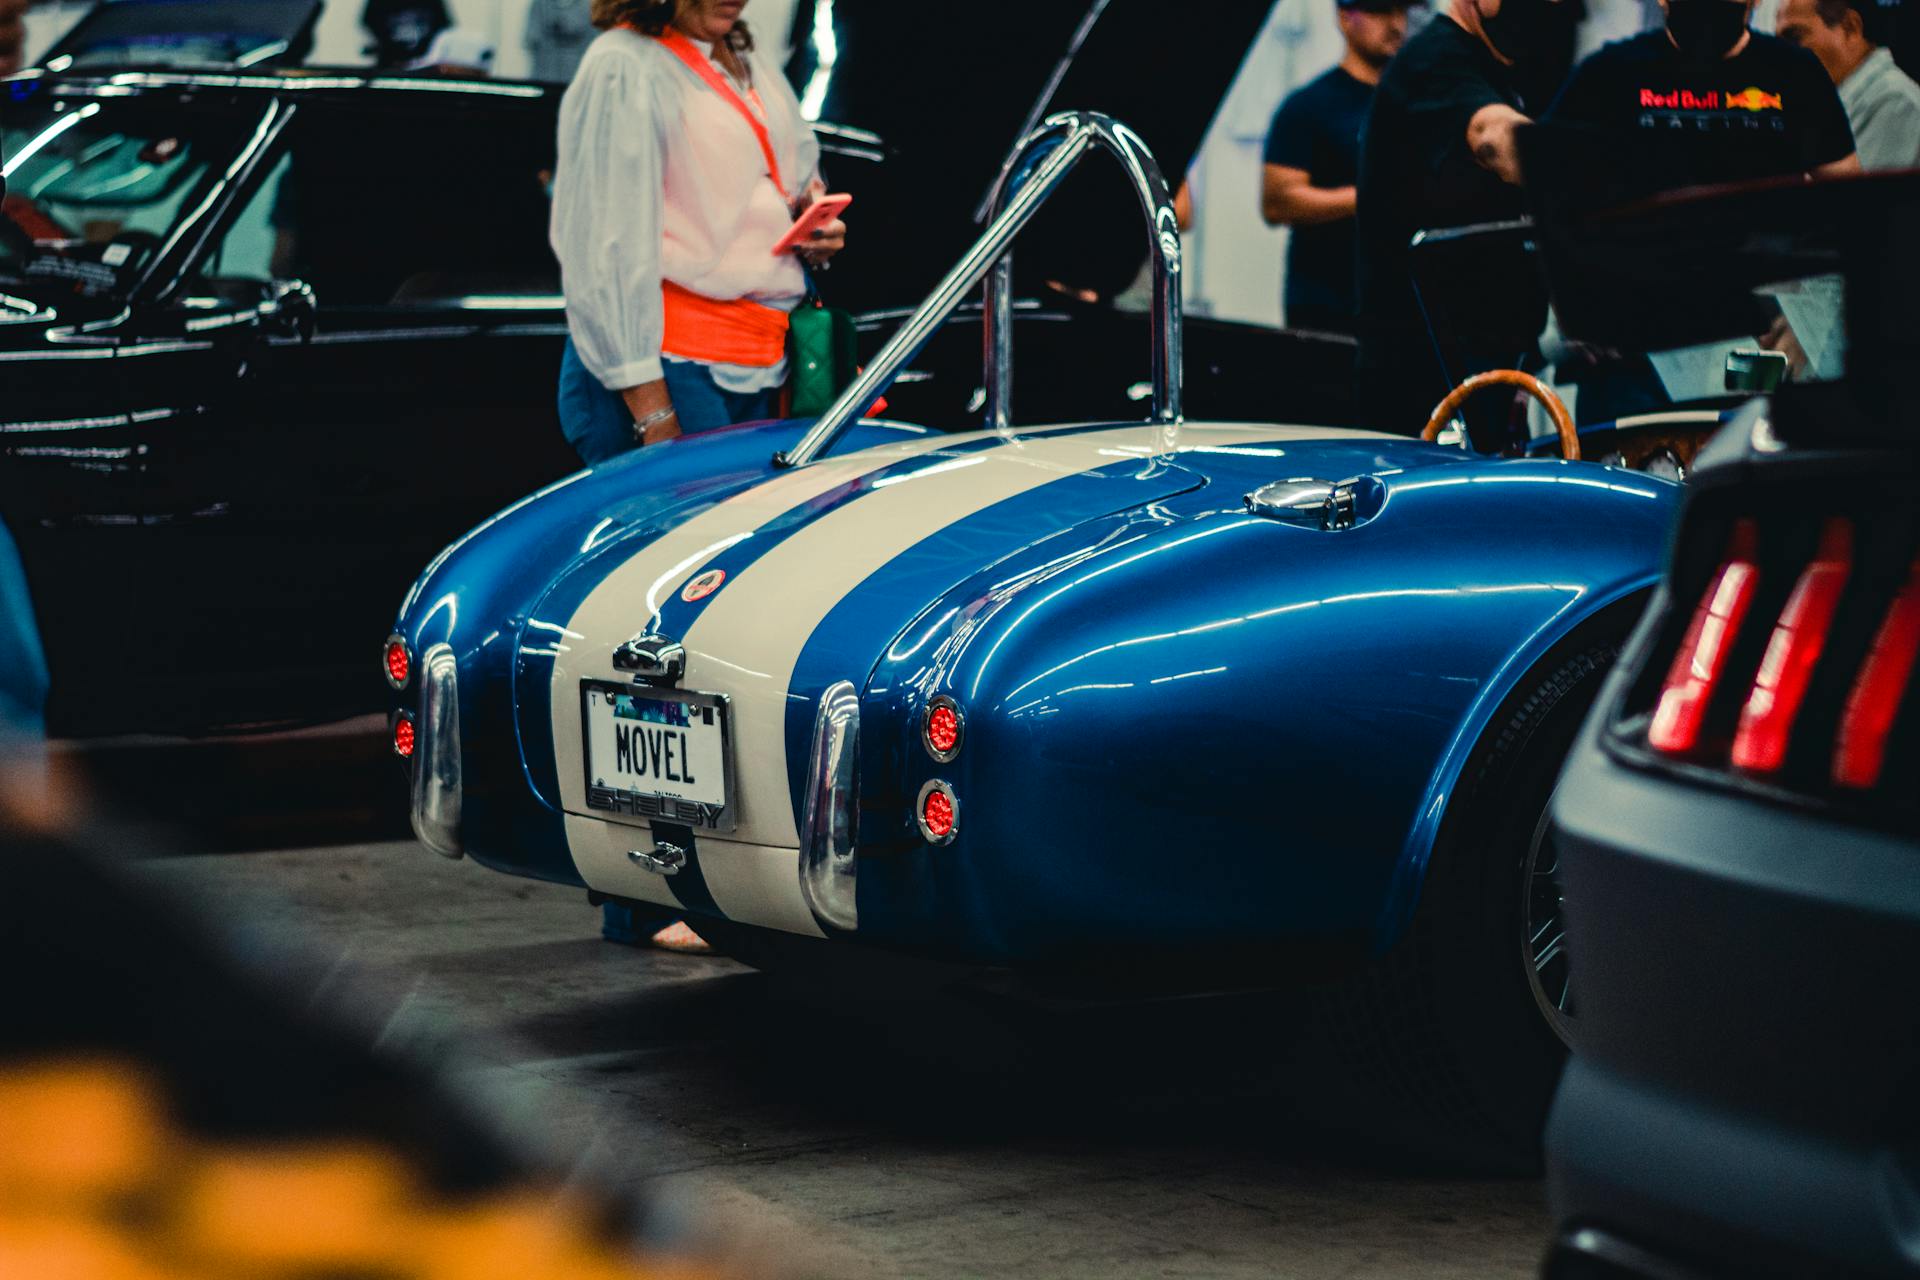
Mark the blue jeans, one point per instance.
(598, 426)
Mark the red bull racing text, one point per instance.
(1748, 109)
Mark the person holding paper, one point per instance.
(683, 160)
(1439, 150)
(1850, 38)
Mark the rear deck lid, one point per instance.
(745, 585)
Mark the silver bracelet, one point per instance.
(653, 419)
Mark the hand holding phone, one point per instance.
(818, 214)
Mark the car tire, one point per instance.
(1444, 1030)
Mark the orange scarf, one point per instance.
(738, 331)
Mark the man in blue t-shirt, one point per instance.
(1313, 161)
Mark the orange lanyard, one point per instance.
(682, 48)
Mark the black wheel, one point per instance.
(1543, 931)
(1462, 1028)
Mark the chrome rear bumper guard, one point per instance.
(436, 763)
(831, 827)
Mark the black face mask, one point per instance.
(1526, 28)
(1706, 29)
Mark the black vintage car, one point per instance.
(240, 33)
(1737, 830)
(266, 340)
(269, 340)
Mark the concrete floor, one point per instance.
(940, 1135)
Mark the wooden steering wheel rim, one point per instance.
(1556, 408)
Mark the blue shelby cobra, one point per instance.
(1211, 693)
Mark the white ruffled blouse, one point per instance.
(660, 178)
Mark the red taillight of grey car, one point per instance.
(1797, 669)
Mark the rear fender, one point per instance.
(1212, 727)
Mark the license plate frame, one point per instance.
(638, 807)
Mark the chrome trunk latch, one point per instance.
(665, 860)
(654, 659)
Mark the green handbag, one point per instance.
(821, 347)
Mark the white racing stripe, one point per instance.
(623, 604)
(735, 873)
(600, 851)
(749, 638)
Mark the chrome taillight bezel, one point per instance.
(413, 737)
(920, 812)
(937, 703)
(386, 667)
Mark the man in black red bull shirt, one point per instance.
(1702, 99)
(1439, 150)
(1713, 99)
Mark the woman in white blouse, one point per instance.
(683, 160)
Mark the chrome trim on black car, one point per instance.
(436, 755)
(831, 828)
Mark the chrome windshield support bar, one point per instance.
(1032, 174)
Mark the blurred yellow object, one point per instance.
(531, 1233)
(519, 1234)
(70, 1248)
(95, 1184)
(304, 1208)
(76, 1130)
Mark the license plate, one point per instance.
(657, 755)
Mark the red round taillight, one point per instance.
(939, 814)
(942, 728)
(403, 737)
(398, 662)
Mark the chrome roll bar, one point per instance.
(1035, 170)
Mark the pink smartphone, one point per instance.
(818, 214)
